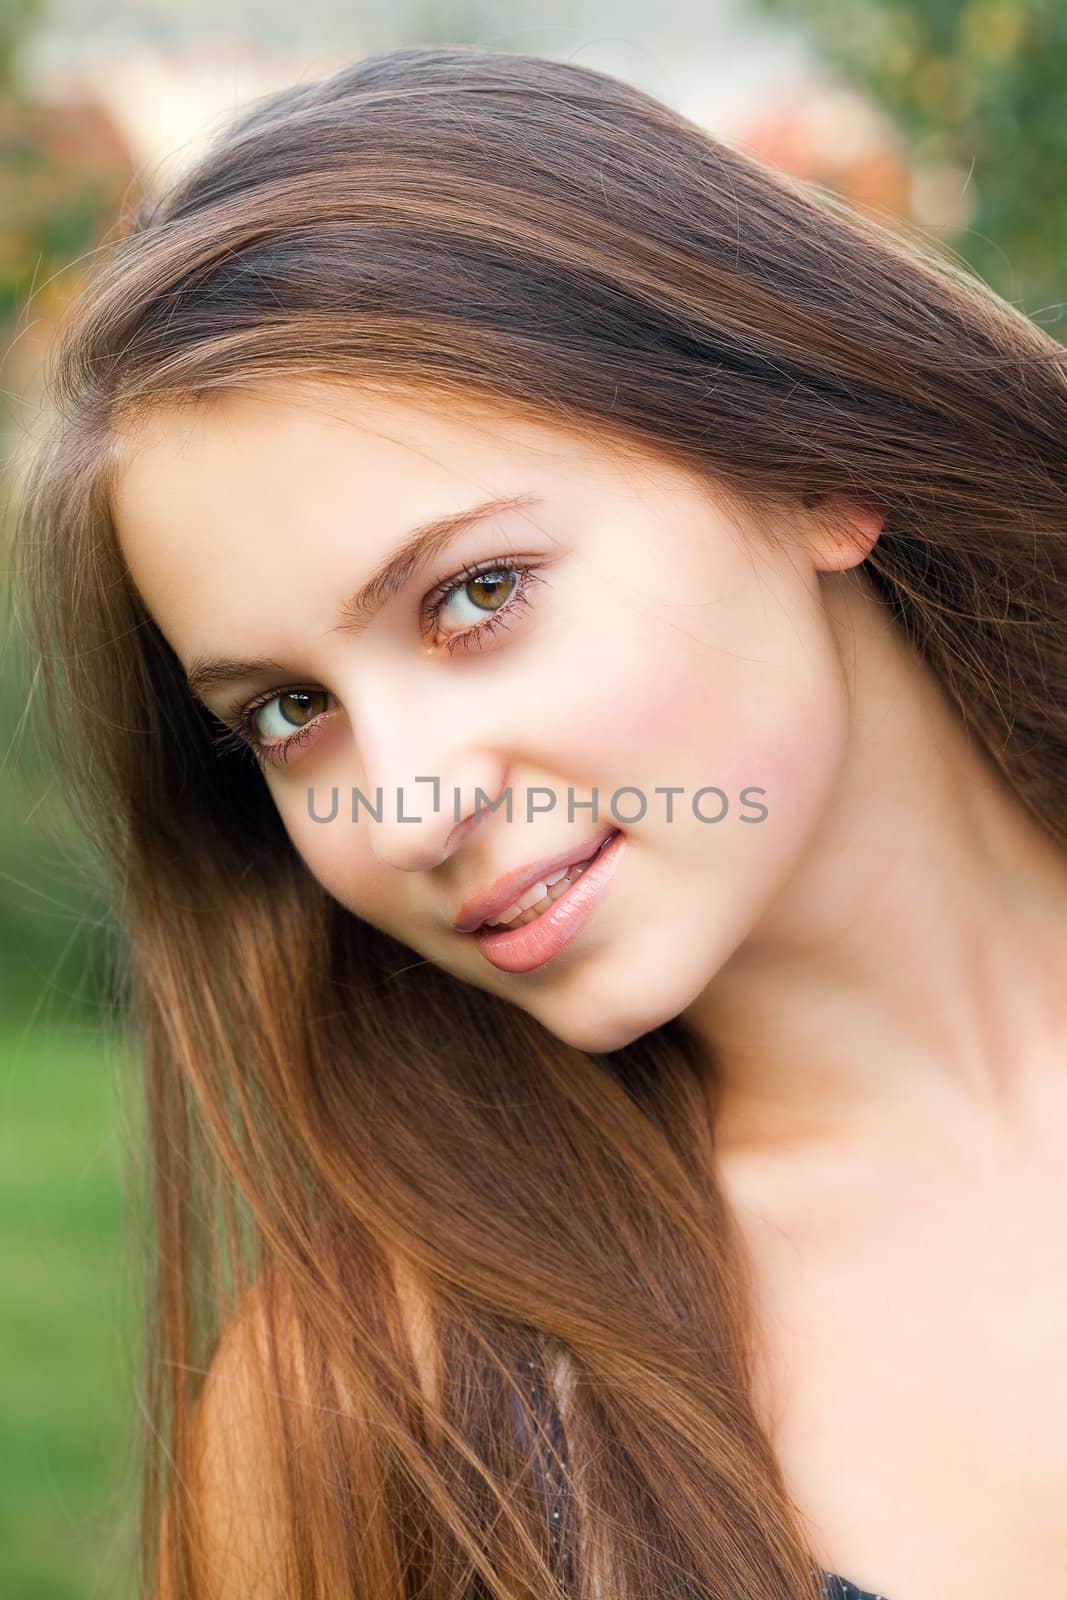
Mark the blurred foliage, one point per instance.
(69, 1338)
(60, 946)
(63, 171)
(17, 19)
(979, 85)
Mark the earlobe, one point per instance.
(845, 536)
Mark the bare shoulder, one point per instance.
(233, 1490)
(236, 1483)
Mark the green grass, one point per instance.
(67, 1352)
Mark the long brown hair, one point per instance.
(466, 224)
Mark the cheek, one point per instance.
(338, 854)
(610, 703)
(766, 713)
(657, 705)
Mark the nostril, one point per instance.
(459, 833)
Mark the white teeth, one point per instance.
(529, 897)
(531, 905)
(535, 892)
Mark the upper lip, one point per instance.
(500, 894)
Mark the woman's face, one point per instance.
(624, 637)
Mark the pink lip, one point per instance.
(534, 944)
(500, 894)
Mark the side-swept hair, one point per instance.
(323, 1116)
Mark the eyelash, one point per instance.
(243, 735)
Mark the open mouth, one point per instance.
(537, 899)
(541, 931)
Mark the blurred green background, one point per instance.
(946, 115)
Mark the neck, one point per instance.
(913, 967)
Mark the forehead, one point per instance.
(244, 514)
(285, 445)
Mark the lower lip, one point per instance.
(523, 949)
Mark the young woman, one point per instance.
(478, 497)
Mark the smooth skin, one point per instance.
(877, 967)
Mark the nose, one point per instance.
(418, 828)
(435, 785)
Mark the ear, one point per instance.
(844, 534)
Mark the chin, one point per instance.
(631, 989)
(598, 1024)
(601, 1035)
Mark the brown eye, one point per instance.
(477, 597)
(476, 603)
(489, 589)
(293, 709)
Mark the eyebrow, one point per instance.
(420, 546)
